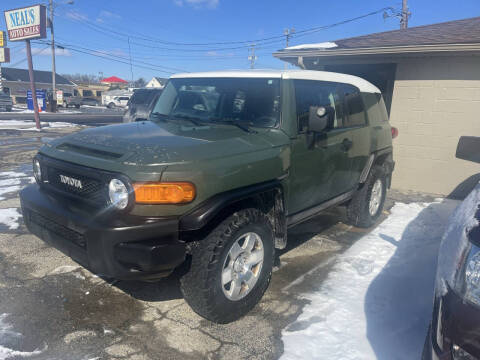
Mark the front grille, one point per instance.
(79, 185)
(59, 230)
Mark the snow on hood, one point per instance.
(323, 45)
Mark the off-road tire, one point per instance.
(358, 208)
(201, 285)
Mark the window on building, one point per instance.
(87, 93)
(316, 93)
(99, 93)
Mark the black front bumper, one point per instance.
(122, 246)
(455, 322)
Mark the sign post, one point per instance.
(25, 24)
(4, 55)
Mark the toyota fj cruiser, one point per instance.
(224, 164)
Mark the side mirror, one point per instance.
(468, 148)
(318, 119)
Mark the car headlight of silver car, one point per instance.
(118, 194)
(472, 276)
(459, 258)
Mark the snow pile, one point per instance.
(10, 338)
(30, 125)
(9, 217)
(11, 181)
(318, 46)
(376, 302)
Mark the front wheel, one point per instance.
(231, 267)
(366, 205)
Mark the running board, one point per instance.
(311, 212)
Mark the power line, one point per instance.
(264, 41)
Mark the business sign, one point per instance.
(26, 23)
(59, 97)
(3, 38)
(41, 100)
(4, 55)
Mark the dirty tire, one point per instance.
(202, 285)
(358, 213)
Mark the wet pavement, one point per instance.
(54, 309)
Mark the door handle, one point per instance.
(347, 144)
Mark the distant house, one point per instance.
(16, 82)
(430, 79)
(156, 82)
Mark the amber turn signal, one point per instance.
(164, 192)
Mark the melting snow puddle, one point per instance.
(13, 181)
(10, 339)
(9, 217)
(376, 300)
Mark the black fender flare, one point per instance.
(202, 214)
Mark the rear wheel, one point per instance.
(231, 268)
(8, 108)
(366, 205)
(111, 105)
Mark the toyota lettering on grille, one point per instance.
(70, 181)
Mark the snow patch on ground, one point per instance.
(9, 217)
(29, 125)
(8, 339)
(11, 181)
(376, 301)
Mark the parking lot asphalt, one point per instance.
(58, 310)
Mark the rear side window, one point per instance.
(375, 107)
(354, 109)
(316, 93)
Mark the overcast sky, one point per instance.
(158, 30)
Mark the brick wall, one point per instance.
(435, 101)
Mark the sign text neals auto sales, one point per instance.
(26, 23)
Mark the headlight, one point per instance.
(118, 193)
(37, 171)
(472, 277)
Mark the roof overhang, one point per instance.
(426, 50)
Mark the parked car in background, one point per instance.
(89, 101)
(454, 332)
(141, 103)
(72, 101)
(6, 102)
(119, 101)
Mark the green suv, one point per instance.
(225, 163)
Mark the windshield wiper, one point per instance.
(159, 116)
(243, 127)
(192, 119)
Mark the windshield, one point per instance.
(251, 101)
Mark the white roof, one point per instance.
(362, 84)
(323, 45)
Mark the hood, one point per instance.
(163, 143)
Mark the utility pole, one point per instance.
(252, 57)
(52, 36)
(131, 67)
(32, 84)
(405, 15)
(288, 33)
